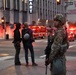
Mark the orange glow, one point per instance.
(2, 20)
(58, 0)
(4, 54)
(38, 31)
(1, 32)
(8, 31)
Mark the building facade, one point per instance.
(17, 11)
(46, 9)
(71, 11)
(14, 11)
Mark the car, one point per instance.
(71, 36)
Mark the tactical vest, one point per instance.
(64, 46)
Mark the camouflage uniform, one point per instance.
(55, 48)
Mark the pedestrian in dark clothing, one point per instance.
(17, 45)
(27, 44)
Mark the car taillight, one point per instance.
(33, 29)
(69, 36)
(39, 27)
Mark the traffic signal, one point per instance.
(2, 19)
(58, 2)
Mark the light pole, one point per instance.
(66, 10)
(4, 3)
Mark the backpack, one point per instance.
(26, 34)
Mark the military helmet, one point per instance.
(60, 18)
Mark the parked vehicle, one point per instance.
(39, 31)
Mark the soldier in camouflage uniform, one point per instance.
(60, 38)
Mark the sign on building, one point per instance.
(30, 6)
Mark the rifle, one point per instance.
(46, 70)
(47, 52)
(46, 64)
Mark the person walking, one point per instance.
(27, 44)
(59, 47)
(17, 45)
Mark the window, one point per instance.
(16, 4)
(7, 3)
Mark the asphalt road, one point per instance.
(7, 48)
(7, 51)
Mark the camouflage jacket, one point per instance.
(58, 40)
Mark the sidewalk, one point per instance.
(36, 70)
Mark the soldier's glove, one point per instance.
(47, 62)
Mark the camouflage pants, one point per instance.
(64, 61)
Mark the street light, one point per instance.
(6, 35)
(46, 22)
(2, 20)
(58, 2)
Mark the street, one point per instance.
(7, 52)
(7, 48)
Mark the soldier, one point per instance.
(60, 39)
